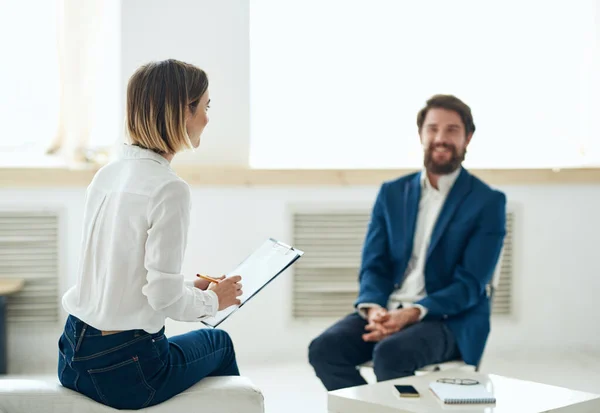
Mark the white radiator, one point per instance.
(326, 278)
(29, 250)
(502, 304)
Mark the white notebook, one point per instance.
(462, 394)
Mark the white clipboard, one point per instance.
(259, 269)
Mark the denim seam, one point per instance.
(157, 353)
(66, 335)
(102, 353)
(99, 333)
(143, 376)
(202, 358)
(64, 366)
(71, 323)
(100, 394)
(76, 380)
(112, 367)
(94, 335)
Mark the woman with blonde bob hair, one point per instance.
(137, 212)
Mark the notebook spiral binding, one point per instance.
(470, 401)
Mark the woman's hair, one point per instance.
(158, 94)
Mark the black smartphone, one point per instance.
(407, 391)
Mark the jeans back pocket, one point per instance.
(122, 385)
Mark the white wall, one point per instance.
(556, 267)
(371, 73)
(212, 35)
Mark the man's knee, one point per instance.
(384, 350)
(321, 348)
(340, 344)
(391, 354)
(317, 349)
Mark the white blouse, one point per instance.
(136, 220)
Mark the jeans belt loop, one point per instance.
(83, 330)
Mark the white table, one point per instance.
(512, 396)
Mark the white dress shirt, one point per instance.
(430, 204)
(136, 220)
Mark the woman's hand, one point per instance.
(203, 284)
(227, 290)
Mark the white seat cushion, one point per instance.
(212, 394)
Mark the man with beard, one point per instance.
(431, 248)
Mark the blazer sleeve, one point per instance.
(477, 266)
(375, 277)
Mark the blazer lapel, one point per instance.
(461, 188)
(412, 195)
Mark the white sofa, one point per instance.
(213, 394)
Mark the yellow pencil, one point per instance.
(212, 280)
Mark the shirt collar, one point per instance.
(445, 182)
(136, 152)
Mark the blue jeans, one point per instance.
(335, 354)
(134, 369)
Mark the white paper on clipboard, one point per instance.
(263, 266)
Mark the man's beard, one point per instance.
(446, 167)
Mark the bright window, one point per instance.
(29, 75)
(338, 83)
(36, 72)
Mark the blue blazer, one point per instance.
(463, 252)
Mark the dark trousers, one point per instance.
(134, 369)
(337, 352)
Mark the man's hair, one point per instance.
(448, 102)
(158, 95)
